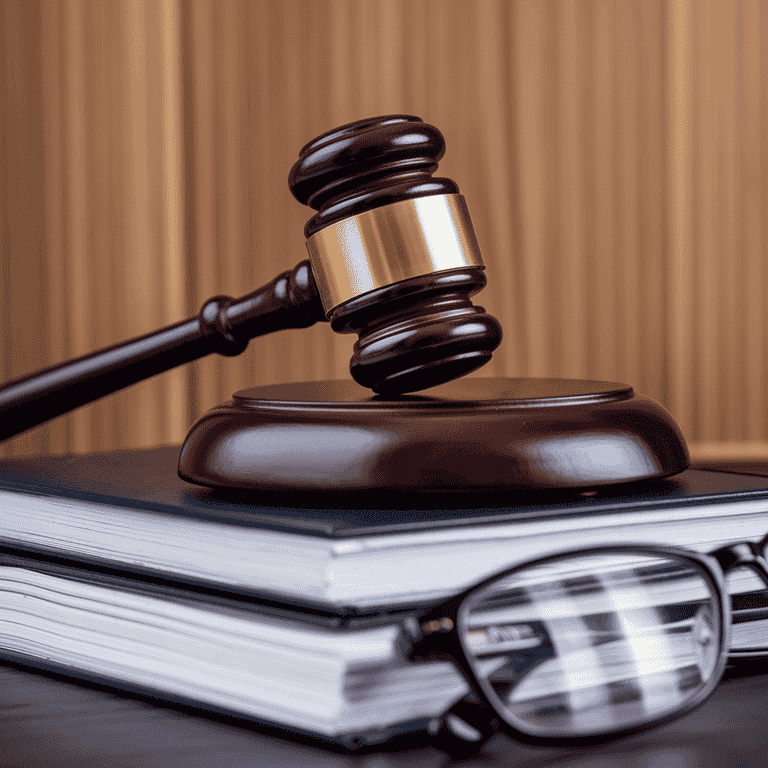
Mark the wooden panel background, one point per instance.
(613, 153)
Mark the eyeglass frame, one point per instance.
(433, 634)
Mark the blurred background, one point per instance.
(613, 154)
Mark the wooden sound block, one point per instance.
(479, 434)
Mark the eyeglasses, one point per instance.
(590, 645)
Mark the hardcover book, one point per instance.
(289, 609)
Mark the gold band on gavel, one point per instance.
(393, 243)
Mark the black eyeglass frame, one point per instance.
(434, 635)
(751, 555)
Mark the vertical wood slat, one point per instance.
(98, 149)
(625, 190)
(498, 206)
(205, 265)
(139, 200)
(706, 332)
(751, 126)
(22, 241)
(679, 151)
(652, 246)
(613, 156)
(55, 435)
(76, 273)
(174, 282)
(532, 70)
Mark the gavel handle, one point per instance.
(224, 325)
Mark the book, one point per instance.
(319, 674)
(113, 569)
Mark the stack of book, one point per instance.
(290, 610)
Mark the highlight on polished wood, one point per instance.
(468, 436)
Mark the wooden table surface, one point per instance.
(47, 720)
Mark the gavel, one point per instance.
(393, 257)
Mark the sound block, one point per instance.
(478, 434)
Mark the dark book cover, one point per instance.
(147, 479)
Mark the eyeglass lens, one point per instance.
(586, 644)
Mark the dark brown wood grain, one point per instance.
(366, 164)
(471, 436)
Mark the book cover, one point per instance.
(130, 511)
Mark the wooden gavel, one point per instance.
(393, 258)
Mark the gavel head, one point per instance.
(394, 254)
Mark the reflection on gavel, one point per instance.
(393, 258)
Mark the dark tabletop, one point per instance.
(47, 720)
